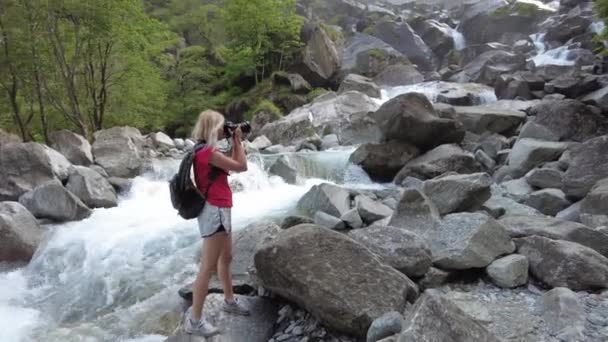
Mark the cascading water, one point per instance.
(113, 276)
(433, 89)
(557, 56)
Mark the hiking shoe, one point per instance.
(200, 328)
(236, 307)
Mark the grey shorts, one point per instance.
(214, 220)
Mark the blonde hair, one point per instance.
(207, 125)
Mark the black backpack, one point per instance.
(185, 197)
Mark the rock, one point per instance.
(384, 326)
(517, 189)
(438, 161)
(529, 153)
(99, 170)
(399, 75)
(321, 58)
(284, 169)
(289, 267)
(396, 247)
(352, 219)
(572, 213)
(361, 84)
(564, 264)
(510, 271)
(74, 147)
(261, 143)
(498, 205)
(188, 144)
(371, 211)
(573, 85)
(415, 212)
(486, 67)
(247, 242)
(570, 120)
(295, 82)
(23, 167)
(53, 201)
(436, 35)
(564, 314)
(485, 160)
(544, 178)
(331, 199)
(468, 240)
(91, 188)
(463, 94)
(456, 193)
(403, 38)
(121, 185)
(434, 278)
(162, 142)
(20, 233)
(411, 118)
(594, 208)
(277, 149)
(7, 137)
(256, 327)
(436, 318)
(179, 143)
(589, 165)
(548, 227)
(536, 131)
(598, 98)
(325, 220)
(118, 151)
(383, 161)
(329, 141)
(480, 119)
(572, 26)
(548, 201)
(59, 164)
(291, 221)
(369, 56)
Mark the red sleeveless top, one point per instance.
(220, 194)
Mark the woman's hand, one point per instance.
(237, 135)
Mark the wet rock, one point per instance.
(331, 199)
(383, 161)
(361, 84)
(91, 188)
(284, 169)
(403, 38)
(20, 233)
(53, 201)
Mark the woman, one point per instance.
(214, 221)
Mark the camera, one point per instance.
(229, 127)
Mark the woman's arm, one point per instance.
(238, 162)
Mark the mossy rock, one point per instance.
(518, 8)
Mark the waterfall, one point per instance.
(557, 56)
(112, 276)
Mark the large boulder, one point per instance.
(257, 327)
(295, 82)
(481, 119)
(441, 159)
(557, 229)
(488, 66)
(564, 264)
(247, 242)
(510, 271)
(573, 85)
(93, 189)
(162, 141)
(284, 169)
(330, 199)
(437, 36)
(436, 318)
(455, 193)
(383, 161)
(396, 247)
(415, 212)
(468, 240)
(536, 131)
(399, 75)
(119, 151)
(370, 56)
(53, 201)
(74, 147)
(289, 266)
(345, 115)
(594, 208)
(361, 84)
(403, 38)
(411, 118)
(20, 233)
(530, 153)
(59, 164)
(564, 314)
(463, 94)
(570, 120)
(23, 167)
(598, 98)
(548, 201)
(321, 57)
(571, 26)
(589, 164)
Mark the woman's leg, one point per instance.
(224, 266)
(212, 246)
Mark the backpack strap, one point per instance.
(213, 173)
